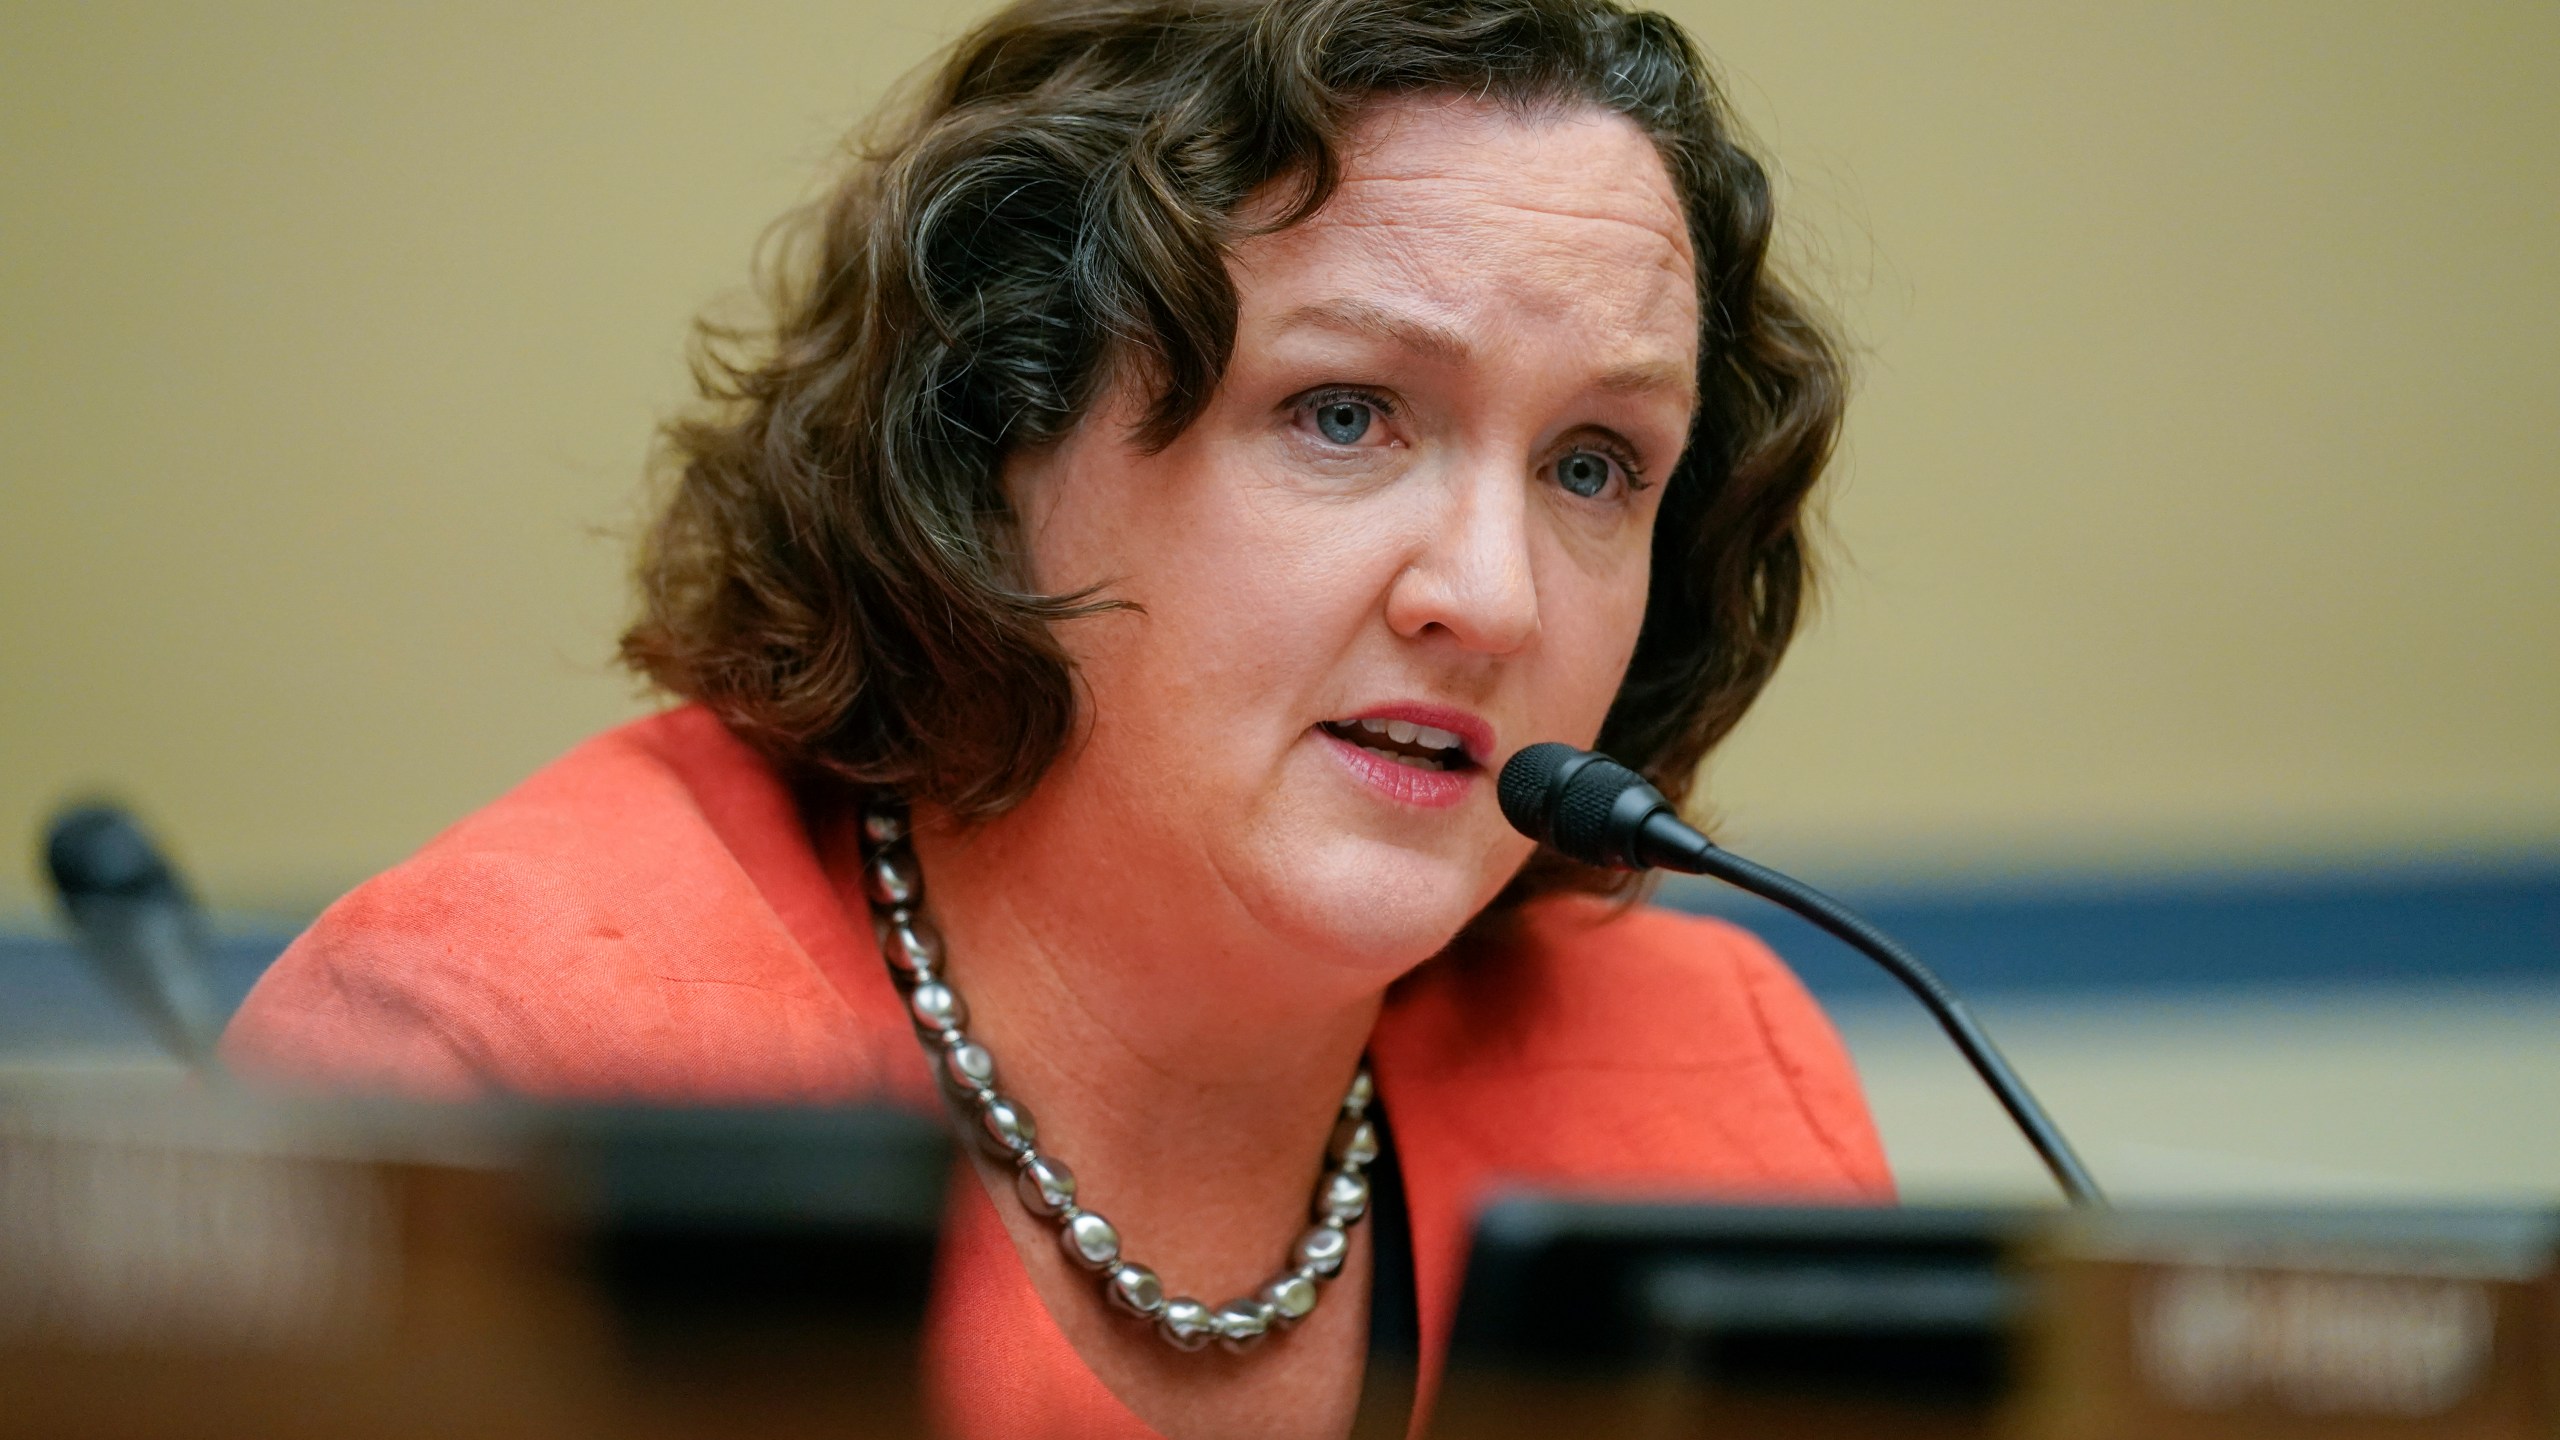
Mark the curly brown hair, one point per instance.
(836, 571)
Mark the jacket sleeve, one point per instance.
(323, 1018)
(364, 1003)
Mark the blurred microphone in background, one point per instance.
(138, 924)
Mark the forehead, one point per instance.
(1485, 218)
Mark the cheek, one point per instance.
(1249, 609)
(1244, 592)
(1593, 617)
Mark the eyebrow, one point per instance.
(1362, 317)
(1653, 377)
(1354, 316)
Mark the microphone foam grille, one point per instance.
(1582, 812)
(95, 850)
(1522, 786)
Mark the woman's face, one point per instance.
(1409, 535)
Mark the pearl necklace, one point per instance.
(1003, 1128)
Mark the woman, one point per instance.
(1198, 445)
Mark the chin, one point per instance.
(1371, 904)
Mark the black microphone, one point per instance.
(1592, 809)
(138, 924)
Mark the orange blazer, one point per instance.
(649, 918)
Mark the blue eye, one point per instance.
(1583, 472)
(1343, 421)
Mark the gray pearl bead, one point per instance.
(891, 878)
(912, 945)
(1135, 1290)
(1362, 1091)
(1291, 1297)
(969, 1067)
(1046, 1185)
(1344, 1198)
(1321, 1250)
(1007, 1124)
(937, 1008)
(1355, 1143)
(1089, 1239)
(883, 825)
(1242, 1323)
(1186, 1324)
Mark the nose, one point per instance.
(1470, 575)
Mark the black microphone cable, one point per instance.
(1597, 811)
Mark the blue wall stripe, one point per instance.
(2068, 940)
(48, 1002)
(2430, 926)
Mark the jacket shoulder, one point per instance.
(592, 933)
(1689, 1024)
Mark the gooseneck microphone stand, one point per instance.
(1597, 811)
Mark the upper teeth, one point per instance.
(1405, 732)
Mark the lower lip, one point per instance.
(1406, 784)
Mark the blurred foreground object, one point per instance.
(1662, 1320)
(176, 1263)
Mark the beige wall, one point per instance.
(2200, 499)
(2387, 1094)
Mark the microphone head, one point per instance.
(100, 852)
(1570, 799)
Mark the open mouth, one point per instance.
(1403, 742)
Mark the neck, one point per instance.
(1184, 1061)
